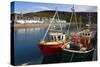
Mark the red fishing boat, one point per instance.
(52, 45)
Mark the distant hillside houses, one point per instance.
(35, 19)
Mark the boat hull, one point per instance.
(68, 56)
(49, 50)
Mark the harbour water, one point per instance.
(26, 47)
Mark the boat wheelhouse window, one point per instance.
(83, 33)
(88, 34)
(58, 37)
(62, 37)
(54, 38)
(51, 38)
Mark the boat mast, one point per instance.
(75, 18)
(56, 14)
(89, 28)
(89, 22)
(80, 22)
(49, 26)
(59, 21)
(74, 13)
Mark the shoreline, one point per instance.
(32, 25)
(40, 25)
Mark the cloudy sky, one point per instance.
(25, 7)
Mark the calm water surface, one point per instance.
(26, 45)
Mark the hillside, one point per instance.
(63, 15)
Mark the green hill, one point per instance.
(63, 15)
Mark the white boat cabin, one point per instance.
(86, 33)
(57, 36)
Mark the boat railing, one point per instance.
(80, 51)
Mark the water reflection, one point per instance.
(52, 59)
(26, 46)
(24, 30)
